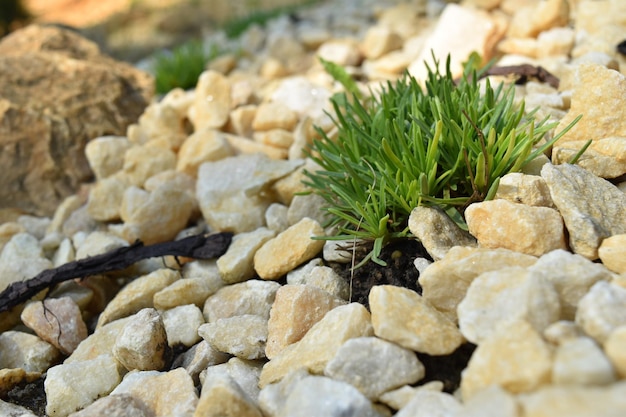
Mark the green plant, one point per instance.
(446, 145)
(182, 67)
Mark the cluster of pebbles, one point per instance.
(538, 286)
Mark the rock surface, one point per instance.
(92, 96)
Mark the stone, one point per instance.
(591, 207)
(550, 14)
(198, 358)
(403, 18)
(429, 403)
(437, 232)
(105, 199)
(243, 336)
(13, 410)
(142, 343)
(272, 398)
(137, 294)
(26, 351)
(221, 396)
(398, 398)
(598, 94)
(133, 197)
(165, 394)
(276, 217)
(402, 316)
(572, 276)
(181, 325)
(340, 399)
(245, 146)
(302, 96)
(92, 95)
(237, 264)
(445, 282)
(556, 41)
(614, 350)
(183, 292)
(378, 41)
(514, 357)
(165, 213)
(142, 162)
(212, 102)
(562, 331)
(488, 305)
(202, 146)
(320, 344)
(97, 243)
(274, 115)
(344, 52)
(602, 310)
(279, 138)
(100, 342)
(106, 155)
(58, 321)
(250, 297)
(229, 191)
(451, 37)
(325, 278)
(246, 373)
(612, 253)
(310, 205)
(374, 366)
(518, 227)
(572, 401)
(21, 258)
(240, 120)
(68, 390)
(119, 405)
(295, 310)
(34, 225)
(580, 361)
(11, 378)
(605, 157)
(530, 190)
(493, 401)
(289, 249)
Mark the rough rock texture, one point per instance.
(58, 92)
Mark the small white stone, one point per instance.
(602, 310)
(580, 361)
(142, 343)
(243, 336)
(181, 324)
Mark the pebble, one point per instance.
(105, 155)
(119, 405)
(243, 336)
(591, 207)
(142, 162)
(21, 258)
(142, 342)
(614, 349)
(272, 397)
(580, 361)
(492, 401)
(602, 310)
(320, 344)
(97, 243)
(98, 343)
(378, 41)
(235, 202)
(105, 199)
(198, 358)
(295, 310)
(202, 146)
(514, 357)
(437, 232)
(274, 115)
(221, 396)
(58, 321)
(612, 253)
(11, 410)
(445, 282)
(182, 292)
(426, 403)
(212, 101)
(374, 366)
(137, 294)
(340, 400)
(518, 227)
(237, 264)
(250, 297)
(488, 305)
(67, 389)
(571, 275)
(289, 249)
(402, 316)
(165, 394)
(530, 190)
(26, 351)
(181, 324)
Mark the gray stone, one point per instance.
(602, 310)
(426, 403)
(181, 324)
(198, 358)
(581, 361)
(119, 405)
(243, 336)
(237, 265)
(437, 232)
(26, 351)
(142, 343)
(592, 208)
(340, 400)
(374, 366)
(249, 297)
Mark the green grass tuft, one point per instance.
(446, 145)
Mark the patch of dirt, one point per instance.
(30, 395)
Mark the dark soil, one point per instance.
(30, 395)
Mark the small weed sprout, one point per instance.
(446, 145)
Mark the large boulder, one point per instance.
(57, 92)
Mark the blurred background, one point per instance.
(133, 29)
